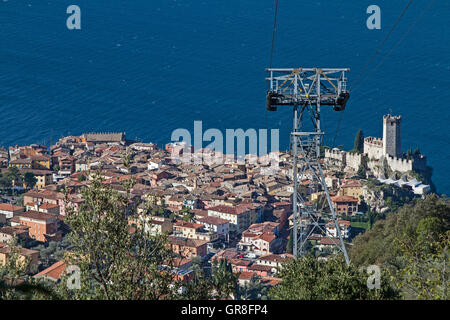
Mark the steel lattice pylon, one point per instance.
(306, 90)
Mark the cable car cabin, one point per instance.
(273, 100)
(341, 101)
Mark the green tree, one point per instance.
(5, 183)
(200, 288)
(12, 272)
(409, 243)
(358, 145)
(115, 264)
(15, 282)
(378, 246)
(189, 217)
(254, 290)
(311, 279)
(12, 173)
(425, 274)
(197, 262)
(223, 278)
(29, 179)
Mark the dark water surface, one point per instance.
(148, 67)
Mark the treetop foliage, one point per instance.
(308, 278)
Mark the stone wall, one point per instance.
(335, 158)
(375, 166)
(399, 164)
(354, 160)
(373, 147)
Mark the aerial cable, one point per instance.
(386, 56)
(398, 42)
(382, 43)
(337, 129)
(274, 32)
(377, 50)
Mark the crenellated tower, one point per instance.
(392, 135)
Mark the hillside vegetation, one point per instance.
(412, 244)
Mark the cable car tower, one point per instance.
(307, 90)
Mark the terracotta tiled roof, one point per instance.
(246, 275)
(12, 230)
(258, 267)
(23, 251)
(264, 226)
(47, 194)
(268, 236)
(212, 220)
(352, 185)
(329, 241)
(228, 254)
(249, 234)
(10, 207)
(100, 137)
(270, 281)
(179, 262)
(240, 262)
(186, 224)
(37, 215)
(54, 271)
(40, 157)
(194, 243)
(229, 209)
(277, 257)
(48, 206)
(343, 199)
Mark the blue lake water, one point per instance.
(148, 67)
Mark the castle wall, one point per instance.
(399, 164)
(377, 150)
(373, 147)
(376, 166)
(402, 165)
(354, 160)
(335, 157)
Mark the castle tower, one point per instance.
(392, 135)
